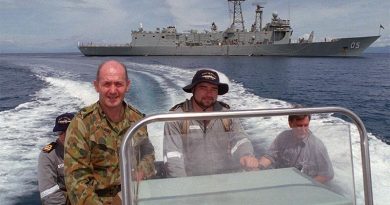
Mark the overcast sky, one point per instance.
(57, 25)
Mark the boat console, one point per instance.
(278, 186)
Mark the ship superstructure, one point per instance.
(274, 38)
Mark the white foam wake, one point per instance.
(28, 127)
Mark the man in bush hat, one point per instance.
(202, 147)
(51, 165)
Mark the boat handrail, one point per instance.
(125, 149)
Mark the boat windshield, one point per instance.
(249, 160)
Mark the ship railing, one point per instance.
(300, 40)
(129, 195)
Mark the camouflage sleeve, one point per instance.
(79, 179)
(146, 163)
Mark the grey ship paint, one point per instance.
(274, 39)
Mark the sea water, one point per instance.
(35, 88)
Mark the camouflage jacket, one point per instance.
(92, 148)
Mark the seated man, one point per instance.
(202, 147)
(51, 182)
(94, 137)
(299, 148)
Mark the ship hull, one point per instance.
(342, 47)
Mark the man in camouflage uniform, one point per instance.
(51, 182)
(92, 172)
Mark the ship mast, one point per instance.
(238, 19)
(258, 19)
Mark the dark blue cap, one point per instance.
(62, 122)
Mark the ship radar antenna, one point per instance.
(238, 19)
(258, 24)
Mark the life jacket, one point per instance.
(185, 106)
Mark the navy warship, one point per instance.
(272, 39)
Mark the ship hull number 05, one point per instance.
(355, 45)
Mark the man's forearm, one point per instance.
(147, 165)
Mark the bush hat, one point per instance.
(207, 76)
(62, 122)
